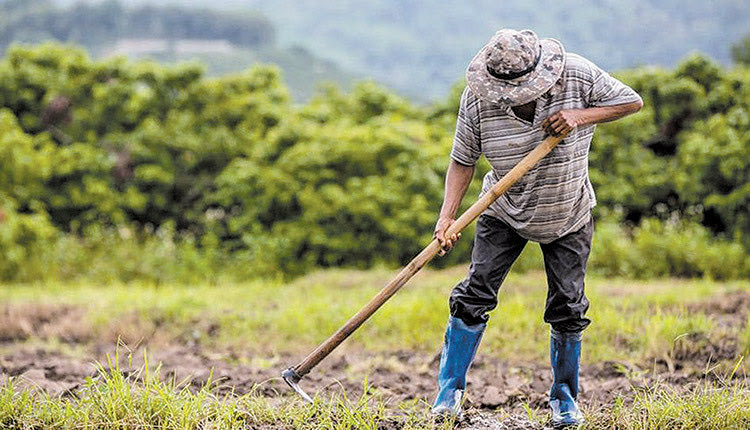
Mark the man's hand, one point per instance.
(562, 122)
(446, 243)
(457, 180)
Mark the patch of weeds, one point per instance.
(706, 406)
(631, 372)
(744, 342)
(535, 415)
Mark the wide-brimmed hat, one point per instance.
(515, 67)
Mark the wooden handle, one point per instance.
(427, 254)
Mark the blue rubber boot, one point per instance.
(565, 356)
(460, 345)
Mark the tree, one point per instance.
(741, 51)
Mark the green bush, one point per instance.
(666, 248)
(104, 256)
(23, 236)
(122, 170)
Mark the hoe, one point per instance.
(294, 374)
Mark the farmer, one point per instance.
(520, 89)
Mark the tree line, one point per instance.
(97, 25)
(99, 156)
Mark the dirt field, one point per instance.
(54, 344)
(494, 384)
(401, 376)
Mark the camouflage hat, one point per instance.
(515, 67)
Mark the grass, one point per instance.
(632, 320)
(121, 400)
(634, 324)
(127, 400)
(721, 405)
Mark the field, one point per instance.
(663, 354)
(168, 240)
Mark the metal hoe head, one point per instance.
(292, 378)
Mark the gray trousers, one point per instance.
(496, 247)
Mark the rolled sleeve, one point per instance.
(466, 142)
(606, 90)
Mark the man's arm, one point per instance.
(565, 120)
(457, 180)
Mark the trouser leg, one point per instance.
(496, 247)
(565, 263)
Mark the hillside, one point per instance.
(421, 48)
(224, 42)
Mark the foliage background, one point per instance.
(123, 170)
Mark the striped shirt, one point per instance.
(555, 197)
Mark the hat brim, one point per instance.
(522, 90)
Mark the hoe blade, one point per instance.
(292, 378)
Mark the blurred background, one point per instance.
(418, 48)
(208, 140)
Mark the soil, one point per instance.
(400, 376)
(494, 385)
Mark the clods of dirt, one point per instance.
(491, 386)
(475, 419)
(52, 372)
(43, 320)
(735, 304)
